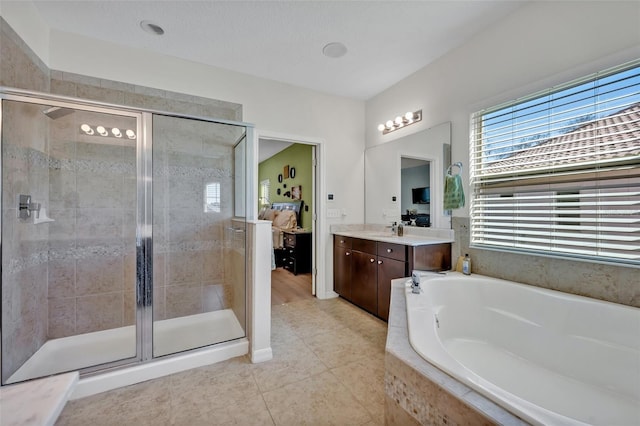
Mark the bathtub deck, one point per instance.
(91, 349)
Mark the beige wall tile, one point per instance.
(99, 274)
(183, 300)
(62, 318)
(99, 312)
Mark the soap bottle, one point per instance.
(400, 230)
(466, 265)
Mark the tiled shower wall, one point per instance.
(92, 198)
(24, 251)
(192, 243)
(600, 281)
(24, 245)
(83, 281)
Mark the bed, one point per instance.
(284, 216)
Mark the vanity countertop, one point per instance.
(388, 237)
(36, 402)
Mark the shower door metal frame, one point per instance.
(144, 208)
(141, 212)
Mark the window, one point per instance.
(263, 198)
(559, 172)
(212, 197)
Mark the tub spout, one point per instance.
(415, 283)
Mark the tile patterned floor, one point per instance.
(327, 369)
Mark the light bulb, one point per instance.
(409, 116)
(380, 127)
(130, 134)
(398, 121)
(389, 124)
(102, 130)
(87, 129)
(116, 132)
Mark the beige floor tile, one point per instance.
(249, 412)
(317, 400)
(340, 347)
(296, 387)
(288, 367)
(218, 391)
(365, 381)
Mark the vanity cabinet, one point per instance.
(363, 269)
(364, 273)
(342, 266)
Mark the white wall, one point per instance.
(539, 45)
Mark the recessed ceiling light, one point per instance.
(151, 27)
(334, 50)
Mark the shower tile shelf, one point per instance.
(38, 402)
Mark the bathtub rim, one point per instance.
(398, 345)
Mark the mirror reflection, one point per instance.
(404, 179)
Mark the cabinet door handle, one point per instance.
(379, 262)
(347, 253)
(341, 241)
(389, 250)
(372, 260)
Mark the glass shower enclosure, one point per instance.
(120, 235)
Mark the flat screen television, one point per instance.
(421, 195)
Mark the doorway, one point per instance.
(287, 197)
(415, 193)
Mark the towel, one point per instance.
(453, 192)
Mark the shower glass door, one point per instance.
(198, 239)
(69, 223)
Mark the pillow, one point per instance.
(286, 219)
(270, 214)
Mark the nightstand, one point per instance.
(297, 251)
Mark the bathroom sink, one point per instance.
(381, 235)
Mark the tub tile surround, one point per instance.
(617, 284)
(416, 392)
(303, 383)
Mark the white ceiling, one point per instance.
(283, 40)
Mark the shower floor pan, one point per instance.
(100, 347)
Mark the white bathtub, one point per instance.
(549, 357)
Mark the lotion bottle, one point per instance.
(400, 230)
(466, 265)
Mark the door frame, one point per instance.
(318, 243)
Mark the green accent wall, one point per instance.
(298, 156)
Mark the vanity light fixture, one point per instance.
(400, 122)
(105, 131)
(87, 129)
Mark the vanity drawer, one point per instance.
(392, 251)
(340, 241)
(366, 246)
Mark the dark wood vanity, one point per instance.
(363, 268)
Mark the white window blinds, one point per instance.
(559, 172)
(264, 197)
(212, 197)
